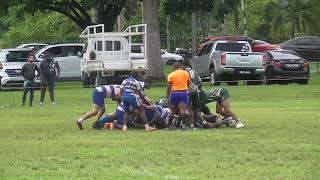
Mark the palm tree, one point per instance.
(291, 17)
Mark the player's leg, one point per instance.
(51, 92)
(220, 109)
(43, 90)
(25, 92)
(98, 104)
(183, 108)
(88, 115)
(32, 87)
(227, 109)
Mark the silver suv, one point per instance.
(11, 62)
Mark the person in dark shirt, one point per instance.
(49, 72)
(28, 71)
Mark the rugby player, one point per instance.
(177, 92)
(222, 97)
(132, 91)
(98, 96)
(194, 100)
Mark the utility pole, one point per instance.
(243, 4)
(194, 33)
(168, 32)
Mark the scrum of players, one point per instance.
(184, 108)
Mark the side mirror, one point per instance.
(41, 56)
(162, 52)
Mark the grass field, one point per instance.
(281, 139)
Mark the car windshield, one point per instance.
(284, 55)
(233, 47)
(15, 56)
(35, 51)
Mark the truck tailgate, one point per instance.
(247, 59)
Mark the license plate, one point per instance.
(244, 72)
(292, 65)
(17, 79)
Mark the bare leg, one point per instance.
(90, 114)
(125, 121)
(220, 110)
(183, 113)
(100, 113)
(226, 107)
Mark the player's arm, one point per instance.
(151, 107)
(23, 71)
(41, 75)
(58, 68)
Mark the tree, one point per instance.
(151, 18)
(78, 11)
(42, 27)
(291, 17)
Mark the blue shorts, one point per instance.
(130, 100)
(98, 98)
(178, 97)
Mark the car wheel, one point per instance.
(214, 79)
(85, 80)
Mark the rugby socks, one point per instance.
(81, 120)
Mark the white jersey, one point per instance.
(109, 90)
(131, 85)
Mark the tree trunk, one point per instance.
(151, 18)
(236, 20)
(121, 21)
(225, 25)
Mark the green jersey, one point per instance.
(214, 95)
(195, 80)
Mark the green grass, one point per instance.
(281, 139)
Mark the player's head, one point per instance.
(117, 92)
(48, 56)
(30, 58)
(186, 64)
(176, 65)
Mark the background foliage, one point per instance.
(268, 20)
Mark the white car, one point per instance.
(11, 62)
(33, 46)
(167, 58)
(68, 56)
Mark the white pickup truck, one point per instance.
(230, 61)
(107, 57)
